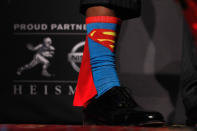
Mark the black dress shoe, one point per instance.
(117, 107)
(192, 117)
(190, 102)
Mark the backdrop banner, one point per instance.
(45, 50)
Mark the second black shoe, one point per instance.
(117, 107)
(192, 117)
(190, 102)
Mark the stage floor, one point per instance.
(31, 127)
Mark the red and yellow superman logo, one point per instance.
(104, 37)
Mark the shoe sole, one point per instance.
(152, 124)
(146, 124)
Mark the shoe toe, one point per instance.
(142, 118)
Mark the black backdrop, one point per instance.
(32, 97)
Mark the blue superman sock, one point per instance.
(101, 42)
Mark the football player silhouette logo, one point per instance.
(44, 51)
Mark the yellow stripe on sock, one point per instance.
(110, 33)
(92, 33)
(101, 40)
(112, 46)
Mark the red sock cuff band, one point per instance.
(102, 19)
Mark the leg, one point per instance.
(124, 9)
(97, 58)
(45, 66)
(45, 71)
(100, 90)
(32, 64)
(189, 61)
(99, 11)
(189, 76)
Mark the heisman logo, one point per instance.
(43, 52)
(75, 56)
